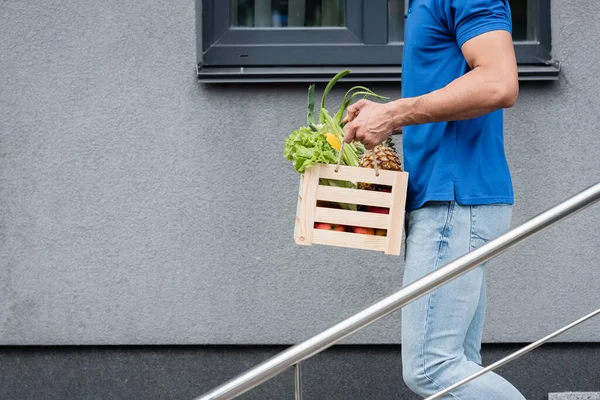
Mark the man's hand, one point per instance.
(368, 122)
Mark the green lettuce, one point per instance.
(306, 148)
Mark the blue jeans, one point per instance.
(442, 331)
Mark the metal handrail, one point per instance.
(295, 354)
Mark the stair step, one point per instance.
(575, 396)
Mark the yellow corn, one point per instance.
(333, 141)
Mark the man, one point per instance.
(459, 73)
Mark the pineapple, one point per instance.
(387, 159)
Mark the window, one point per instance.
(287, 13)
(308, 40)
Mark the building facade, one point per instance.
(147, 216)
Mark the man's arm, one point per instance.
(490, 85)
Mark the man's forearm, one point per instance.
(476, 93)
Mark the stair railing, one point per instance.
(293, 356)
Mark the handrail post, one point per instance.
(298, 381)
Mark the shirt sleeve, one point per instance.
(471, 18)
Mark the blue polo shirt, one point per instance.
(460, 160)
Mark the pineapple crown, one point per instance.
(389, 143)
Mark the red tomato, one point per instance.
(363, 230)
(378, 210)
(322, 225)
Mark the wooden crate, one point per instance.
(308, 213)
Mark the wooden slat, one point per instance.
(299, 212)
(356, 174)
(353, 240)
(307, 201)
(352, 218)
(354, 196)
(308, 213)
(397, 211)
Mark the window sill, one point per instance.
(207, 74)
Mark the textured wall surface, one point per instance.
(140, 207)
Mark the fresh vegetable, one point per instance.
(306, 148)
(328, 88)
(363, 231)
(350, 95)
(320, 143)
(330, 227)
(311, 105)
(378, 210)
(350, 154)
(333, 141)
(322, 225)
(311, 145)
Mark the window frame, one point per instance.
(234, 54)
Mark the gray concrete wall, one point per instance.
(140, 207)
